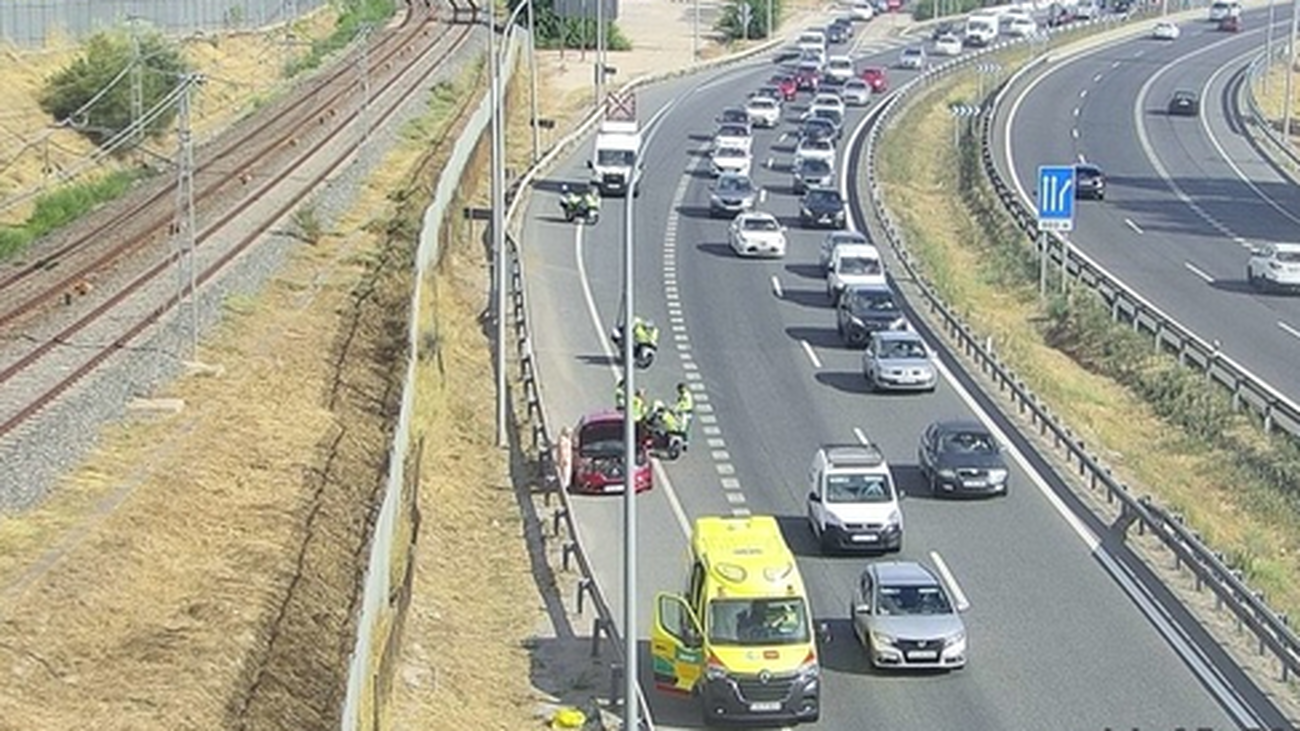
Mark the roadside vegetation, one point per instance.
(1161, 428)
(555, 32)
(63, 206)
(355, 16)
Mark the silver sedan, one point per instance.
(757, 234)
(905, 617)
(898, 360)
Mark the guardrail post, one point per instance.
(616, 682)
(585, 587)
(598, 628)
(568, 549)
(557, 519)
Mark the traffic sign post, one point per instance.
(1055, 195)
(959, 111)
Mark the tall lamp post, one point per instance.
(630, 710)
(1288, 100)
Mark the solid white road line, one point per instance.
(1192, 268)
(811, 355)
(958, 596)
(776, 287)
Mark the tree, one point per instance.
(93, 93)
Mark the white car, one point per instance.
(825, 100)
(853, 503)
(947, 45)
(733, 135)
(862, 10)
(1021, 27)
(1087, 11)
(819, 148)
(757, 234)
(851, 265)
(763, 112)
(912, 57)
(1221, 9)
(1275, 266)
(840, 68)
(731, 160)
(1165, 31)
(833, 241)
(811, 40)
(855, 92)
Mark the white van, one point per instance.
(981, 30)
(1221, 9)
(812, 41)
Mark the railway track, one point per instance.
(83, 300)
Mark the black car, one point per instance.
(822, 207)
(831, 116)
(962, 458)
(944, 28)
(837, 34)
(1089, 182)
(816, 128)
(811, 172)
(733, 115)
(1185, 103)
(864, 309)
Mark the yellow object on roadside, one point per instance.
(568, 718)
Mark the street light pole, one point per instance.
(1288, 99)
(630, 721)
(498, 220)
(532, 80)
(1268, 43)
(600, 52)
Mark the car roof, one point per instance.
(855, 249)
(896, 335)
(873, 287)
(961, 425)
(853, 455)
(902, 572)
(1290, 248)
(848, 236)
(764, 215)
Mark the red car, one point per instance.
(598, 456)
(787, 84)
(875, 78)
(807, 78)
(1230, 24)
(894, 5)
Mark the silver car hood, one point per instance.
(916, 626)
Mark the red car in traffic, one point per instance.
(875, 78)
(598, 457)
(807, 78)
(787, 84)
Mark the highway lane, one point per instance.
(1186, 196)
(1055, 642)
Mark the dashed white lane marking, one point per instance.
(681, 337)
(1114, 64)
(690, 366)
(678, 328)
(1194, 270)
(725, 468)
(1075, 133)
(730, 483)
(1096, 78)
(734, 497)
(776, 287)
(717, 442)
(769, 163)
(739, 513)
(698, 387)
(1076, 111)
(1131, 224)
(720, 455)
(1083, 94)
(1288, 329)
(704, 408)
(694, 376)
(762, 195)
(712, 430)
(708, 419)
(861, 437)
(958, 596)
(812, 356)
(1082, 160)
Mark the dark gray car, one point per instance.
(732, 194)
(812, 172)
(962, 458)
(905, 618)
(865, 308)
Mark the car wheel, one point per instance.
(824, 543)
(871, 382)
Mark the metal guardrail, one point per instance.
(1209, 568)
(1275, 410)
(1256, 118)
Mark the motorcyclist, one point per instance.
(685, 410)
(591, 201)
(639, 406)
(644, 332)
(666, 419)
(569, 199)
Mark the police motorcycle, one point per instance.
(645, 345)
(659, 440)
(576, 207)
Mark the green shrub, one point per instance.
(354, 17)
(729, 22)
(63, 206)
(69, 93)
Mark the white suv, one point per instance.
(1274, 266)
(852, 501)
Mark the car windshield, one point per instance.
(732, 130)
(1288, 257)
(857, 489)
(604, 439)
(729, 152)
(904, 600)
(735, 185)
(762, 103)
(969, 442)
(902, 350)
(840, 63)
(615, 158)
(830, 115)
(824, 197)
(768, 621)
(855, 85)
(761, 223)
(814, 167)
(867, 300)
(912, 52)
(859, 265)
(817, 145)
(808, 69)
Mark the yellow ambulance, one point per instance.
(741, 637)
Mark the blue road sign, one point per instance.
(1056, 197)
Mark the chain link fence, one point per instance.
(36, 23)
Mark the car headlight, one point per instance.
(893, 372)
(895, 518)
(880, 638)
(948, 474)
(899, 323)
(809, 671)
(715, 672)
(835, 520)
(954, 639)
(997, 475)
